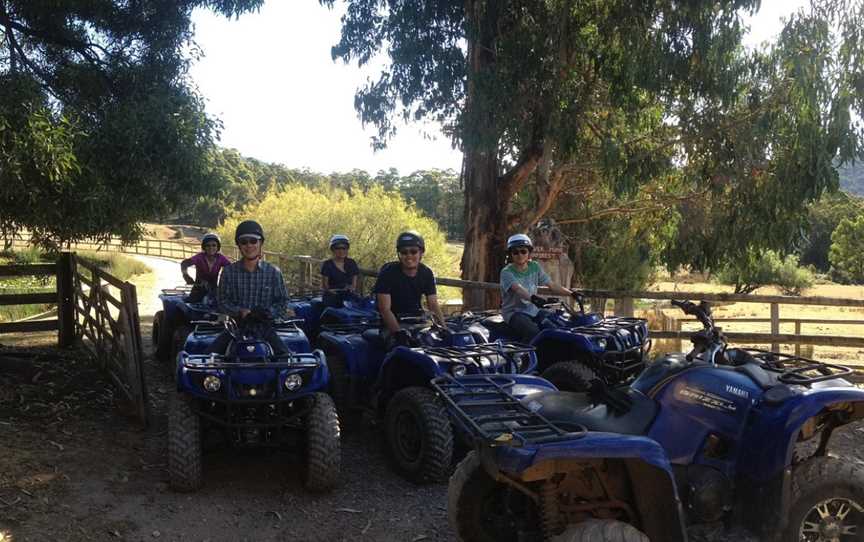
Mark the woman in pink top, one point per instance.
(207, 263)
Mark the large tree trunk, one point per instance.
(485, 229)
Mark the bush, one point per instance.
(298, 220)
(847, 250)
(767, 268)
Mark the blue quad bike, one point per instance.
(335, 306)
(181, 306)
(576, 347)
(733, 438)
(253, 397)
(393, 385)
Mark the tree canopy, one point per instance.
(546, 97)
(99, 125)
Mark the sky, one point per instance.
(270, 79)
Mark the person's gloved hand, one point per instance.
(261, 314)
(402, 338)
(188, 279)
(538, 301)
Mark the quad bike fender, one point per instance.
(404, 367)
(645, 466)
(352, 348)
(576, 342)
(772, 438)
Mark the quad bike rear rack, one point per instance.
(486, 408)
(796, 369)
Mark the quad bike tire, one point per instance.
(601, 530)
(419, 435)
(340, 382)
(570, 376)
(162, 339)
(323, 449)
(178, 340)
(157, 323)
(475, 511)
(184, 445)
(827, 498)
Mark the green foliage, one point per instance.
(767, 268)
(847, 249)
(550, 94)
(617, 251)
(438, 194)
(99, 126)
(300, 220)
(823, 218)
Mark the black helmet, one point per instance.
(211, 237)
(519, 240)
(410, 239)
(248, 228)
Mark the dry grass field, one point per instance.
(848, 356)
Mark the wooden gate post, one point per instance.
(775, 325)
(66, 299)
(624, 307)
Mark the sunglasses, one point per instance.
(247, 241)
(520, 251)
(410, 252)
(340, 247)
(211, 245)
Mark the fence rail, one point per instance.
(301, 276)
(60, 295)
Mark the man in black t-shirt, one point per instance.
(401, 285)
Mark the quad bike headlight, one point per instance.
(293, 382)
(212, 383)
(601, 343)
(458, 369)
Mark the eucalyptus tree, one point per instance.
(100, 126)
(541, 94)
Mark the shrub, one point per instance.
(767, 268)
(847, 250)
(299, 220)
(118, 265)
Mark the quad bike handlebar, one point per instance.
(709, 344)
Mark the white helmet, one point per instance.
(519, 240)
(339, 239)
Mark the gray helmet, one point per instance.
(248, 228)
(339, 239)
(211, 237)
(410, 239)
(519, 240)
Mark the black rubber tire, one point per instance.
(184, 445)
(570, 376)
(821, 479)
(601, 530)
(475, 511)
(340, 382)
(157, 323)
(323, 450)
(431, 462)
(162, 337)
(179, 339)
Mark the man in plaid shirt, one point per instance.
(252, 287)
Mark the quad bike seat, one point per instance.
(569, 410)
(497, 325)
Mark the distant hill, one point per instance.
(852, 179)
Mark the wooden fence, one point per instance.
(62, 296)
(301, 274)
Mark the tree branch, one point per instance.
(634, 207)
(513, 181)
